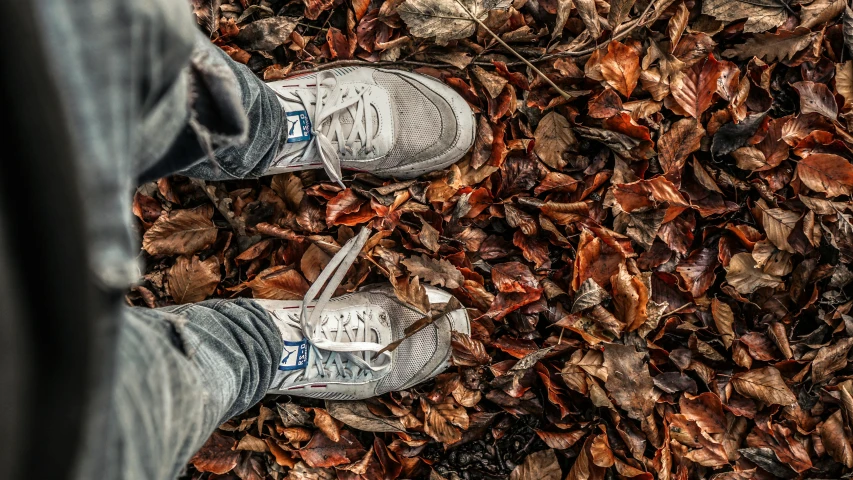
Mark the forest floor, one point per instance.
(651, 235)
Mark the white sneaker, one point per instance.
(390, 123)
(330, 345)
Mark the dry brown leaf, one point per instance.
(844, 81)
(619, 12)
(816, 97)
(217, 455)
(674, 146)
(620, 67)
(279, 283)
(778, 224)
(764, 384)
(494, 84)
(759, 17)
(437, 272)
(322, 452)
(538, 466)
(445, 20)
(820, 11)
(830, 359)
(554, 139)
(772, 47)
(835, 439)
(313, 261)
(589, 16)
(628, 380)
(193, 280)
(468, 352)
(697, 270)
(630, 298)
(723, 319)
(745, 276)
(827, 173)
(444, 421)
(181, 232)
(327, 424)
(694, 88)
(357, 415)
(266, 33)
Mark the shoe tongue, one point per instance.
(294, 356)
(299, 125)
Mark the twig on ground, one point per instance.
(520, 57)
(629, 27)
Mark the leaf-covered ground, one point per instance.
(651, 233)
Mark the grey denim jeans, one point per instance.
(148, 95)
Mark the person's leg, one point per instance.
(233, 127)
(181, 372)
(138, 85)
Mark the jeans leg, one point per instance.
(226, 136)
(182, 371)
(140, 88)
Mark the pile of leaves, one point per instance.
(651, 235)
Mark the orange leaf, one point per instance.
(828, 173)
(694, 89)
(620, 67)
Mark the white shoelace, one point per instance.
(329, 101)
(340, 337)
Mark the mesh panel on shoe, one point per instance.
(413, 354)
(417, 121)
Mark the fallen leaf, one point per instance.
(538, 466)
(830, 359)
(764, 384)
(266, 33)
(313, 261)
(561, 440)
(468, 352)
(554, 139)
(694, 89)
(674, 146)
(827, 173)
(327, 425)
(723, 319)
(844, 81)
(759, 17)
(322, 452)
(192, 280)
(445, 20)
(834, 436)
(820, 11)
(589, 295)
(620, 67)
(279, 283)
(217, 455)
(816, 97)
(619, 11)
(181, 232)
(437, 272)
(745, 276)
(630, 299)
(357, 415)
(628, 380)
(347, 208)
(773, 47)
(443, 421)
(697, 270)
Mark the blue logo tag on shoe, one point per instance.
(295, 356)
(298, 126)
